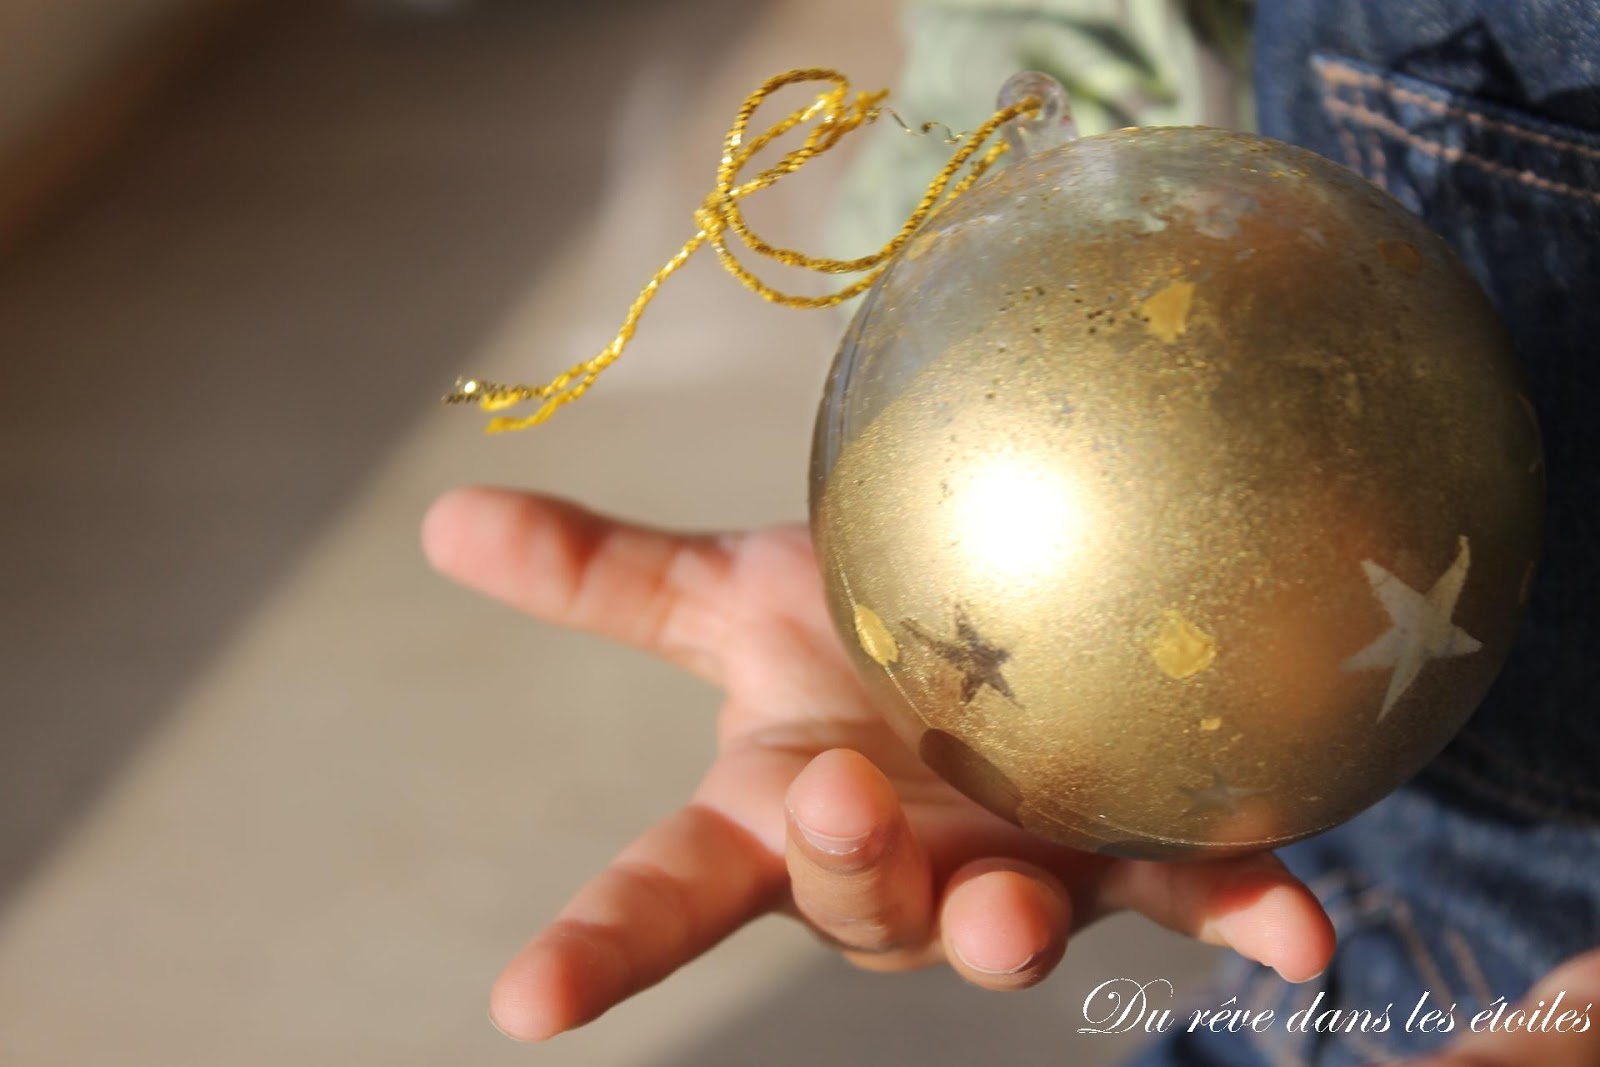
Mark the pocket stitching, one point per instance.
(1467, 961)
(1450, 154)
(1335, 75)
(1353, 158)
(1401, 919)
(1380, 162)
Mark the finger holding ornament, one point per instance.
(1004, 923)
(862, 881)
(1252, 904)
(858, 874)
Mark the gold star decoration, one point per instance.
(978, 660)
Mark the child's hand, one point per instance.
(813, 806)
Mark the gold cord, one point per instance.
(837, 112)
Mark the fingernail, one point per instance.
(992, 967)
(833, 846)
(502, 1029)
(1302, 981)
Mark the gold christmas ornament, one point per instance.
(1176, 492)
(1174, 489)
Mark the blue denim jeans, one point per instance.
(1473, 881)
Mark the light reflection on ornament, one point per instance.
(1019, 518)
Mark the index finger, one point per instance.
(562, 563)
(670, 896)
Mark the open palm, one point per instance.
(813, 805)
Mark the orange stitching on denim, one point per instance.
(1347, 139)
(1352, 152)
(1368, 117)
(1418, 951)
(1467, 960)
(1341, 74)
(1397, 913)
(1374, 900)
(1380, 162)
(1527, 773)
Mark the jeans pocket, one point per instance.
(1518, 196)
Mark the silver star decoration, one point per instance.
(1421, 626)
(1218, 796)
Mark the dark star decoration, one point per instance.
(978, 660)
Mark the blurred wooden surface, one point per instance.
(116, 84)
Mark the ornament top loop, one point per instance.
(1051, 126)
(834, 113)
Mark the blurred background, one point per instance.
(270, 791)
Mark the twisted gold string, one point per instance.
(836, 112)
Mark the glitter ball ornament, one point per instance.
(1176, 490)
